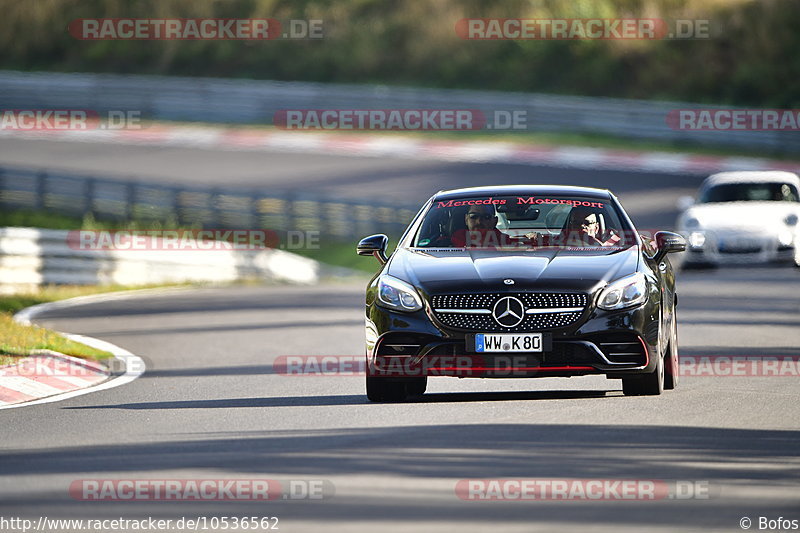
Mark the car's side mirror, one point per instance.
(668, 242)
(374, 245)
(685, 202)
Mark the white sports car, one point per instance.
(742, 217)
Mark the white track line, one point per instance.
(134, 365)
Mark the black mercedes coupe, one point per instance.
(521, 281)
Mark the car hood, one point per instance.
(445, 271)
(754, 216)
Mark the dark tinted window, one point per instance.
(750, 192)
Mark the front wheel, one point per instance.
(651, 384)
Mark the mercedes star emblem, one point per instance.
(508, 311)
(508, 281)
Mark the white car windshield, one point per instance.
(750, 192)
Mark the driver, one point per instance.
(481, 231)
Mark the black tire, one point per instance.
(651, 384)
(631, 387)
(417, 386)
(671, 364)
(386, 389)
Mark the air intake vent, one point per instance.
(622, 348)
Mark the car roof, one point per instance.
(513, 190)
(752, 176)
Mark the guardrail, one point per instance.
(256, 102)
(30, 257)
(217, 207)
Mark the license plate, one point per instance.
(739, 245)
(508, 342)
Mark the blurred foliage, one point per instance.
(47, 219)
(750, 58)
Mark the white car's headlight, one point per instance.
(396, 294)
(790, 220)
(624, 292)
(697, 239)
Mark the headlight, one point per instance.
(785, 238)
(692, 223)
(625, 292)
(398, 295)
(790, 220)
(697, 239)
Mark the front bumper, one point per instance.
(616, 344)
(720, 248)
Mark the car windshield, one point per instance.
(522, 221)
(750, 192)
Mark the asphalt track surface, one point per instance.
(211, 405)
(650, 197)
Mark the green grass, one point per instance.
(46, 219)
(38, 219)
(17, 340)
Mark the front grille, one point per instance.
(472, 312)
(738, 244)
(533, 300)
(747, 250)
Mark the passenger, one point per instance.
(583, 229)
